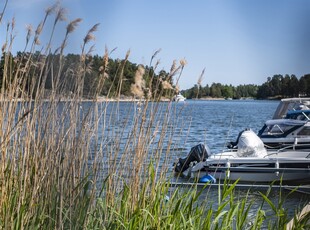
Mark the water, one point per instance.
(217, 122)
(214, 123)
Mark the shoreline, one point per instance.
(128, 99)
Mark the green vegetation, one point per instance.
(157, 83)
(217, 90)
(56, 172)
(67, 67)
(276, 87)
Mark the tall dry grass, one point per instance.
(67, 164)
(54, 165)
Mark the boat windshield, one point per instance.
(298, 114)
(291, 104)
(280, 127)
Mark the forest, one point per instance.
(277, 86)
(100, 77)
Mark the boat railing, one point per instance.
(231, 153)
(225, 154)
(291, 147)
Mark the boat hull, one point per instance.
(279, 169)
(263, 176)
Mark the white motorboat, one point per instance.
(286, 133)
(289, 128)
(291, 104)
(178, 97)
(290, 125)
(250, 163)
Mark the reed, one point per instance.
(57, 172)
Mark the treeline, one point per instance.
(278, 86)
(118, 75)
(123, 71)
(217, 90)
(287, 86)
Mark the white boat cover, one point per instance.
(250, 145)
(289, 122)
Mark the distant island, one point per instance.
(275, 87)
(116, 71)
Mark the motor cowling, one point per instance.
(250, 145)
(197, 154)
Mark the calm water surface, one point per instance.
(214, 123)
(217, 122)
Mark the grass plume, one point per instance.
(199, 81)
(139, 85)
(71, 163)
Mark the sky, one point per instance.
(235, 41)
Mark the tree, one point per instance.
(264, 91)
(67, 68)
(285, 90)
(294, 86)
(304, 85)
(227, 91)
(215, 90)
(275, 84)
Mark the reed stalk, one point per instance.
(71, 164)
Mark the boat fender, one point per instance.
(207, 179)
(228, 169)
(277, 166)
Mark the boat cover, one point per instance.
(250, 145)
(289, 122)
(298, 114)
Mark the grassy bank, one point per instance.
(56, 172)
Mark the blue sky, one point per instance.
(237, 42)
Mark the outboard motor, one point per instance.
(197, 154)
(248, 144)
(234, 144)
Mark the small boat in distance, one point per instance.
(178, 97)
